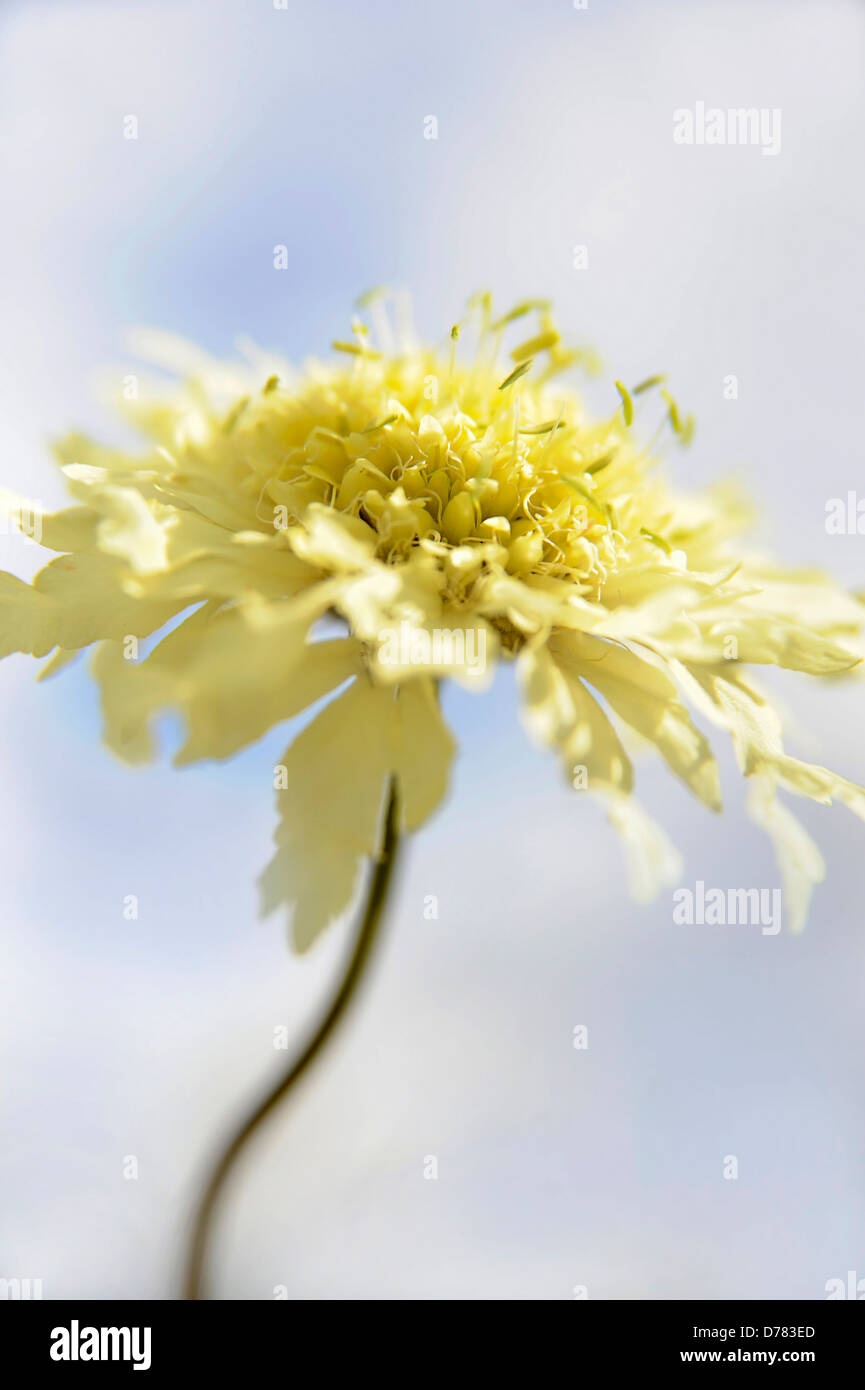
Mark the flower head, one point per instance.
(452, 511)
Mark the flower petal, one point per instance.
(232, 674)
(335, 775)
(800, 861)
(423, 752)
(652, 860)
(756, 732)
(559, 711)
(73, 601)
(645, 698)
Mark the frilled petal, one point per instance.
(205, 561)
(757, 738)
(561, 713)
(644, 697)
(130, 530)
(800, 861)
(332, 540)
(737, 631)
(72, 528)
(334, 776)
(74, 601)
(423, 752)
(652, 860)
(232, 674)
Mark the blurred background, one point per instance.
(558, 1168)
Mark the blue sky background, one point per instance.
(557, 1168)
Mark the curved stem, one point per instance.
(378, 887)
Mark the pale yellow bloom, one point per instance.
(452, 511)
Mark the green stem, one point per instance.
(378, 887)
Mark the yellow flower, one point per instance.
(452, 511)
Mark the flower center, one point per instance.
(446, 459)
